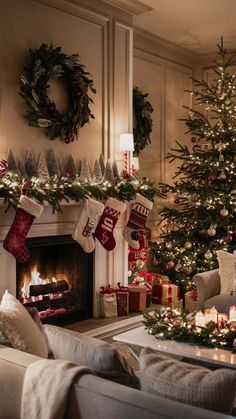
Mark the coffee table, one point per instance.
(139, 338)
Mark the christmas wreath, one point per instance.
(49, 62)
(142, 120)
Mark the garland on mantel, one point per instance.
(175, 324)
(56, 188)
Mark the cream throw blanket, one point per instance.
(46, 388)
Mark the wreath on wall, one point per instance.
(49, 62)
(142, 110)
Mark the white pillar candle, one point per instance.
(200, 319)
(211, 315)
(232, 314)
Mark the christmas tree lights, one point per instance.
(203, 219)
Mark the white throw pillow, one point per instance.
(19, 328)
(186, 383)
(227, 271)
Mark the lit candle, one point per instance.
(211, 315)
(200, 319)
(232, 314)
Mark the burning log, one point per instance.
(50, 288)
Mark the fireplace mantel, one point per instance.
(109, 267)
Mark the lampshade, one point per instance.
(136, 163)
(126, 142)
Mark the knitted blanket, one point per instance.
(46, 388)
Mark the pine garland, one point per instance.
(175, 324)
(56, 188)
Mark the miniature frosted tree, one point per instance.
(42, 168)
(30, 165)
(102, 164)
(70, 169)
(97, 172)
(85, 175)
(52, 163)
(115, 170)
(12, 166)
(109, 175)
(21, 168)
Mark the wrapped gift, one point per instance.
(164, 292)
(122, 297)
(108, 301)
(155, 278)
(190, 302)
(137, 298)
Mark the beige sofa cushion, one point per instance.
(227, 271)
(98, 355)
(191, 384)
(19, 328)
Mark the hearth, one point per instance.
(57, 279)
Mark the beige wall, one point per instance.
(102, 36)
(164, 76)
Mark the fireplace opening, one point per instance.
(57, 279)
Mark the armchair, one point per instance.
(208, 287)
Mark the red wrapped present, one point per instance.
(164, 292)
(137, 298)
(122, 297)
(190, 301)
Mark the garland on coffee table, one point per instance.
(142, 120)
(55, 189)
(175, 324)
(43, 64)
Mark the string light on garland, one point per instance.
(56, 188)
(41, 65)
(175, 324)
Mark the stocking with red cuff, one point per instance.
(27, 210)
(104, 231)
(137, 221)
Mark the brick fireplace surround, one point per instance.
(109, 267)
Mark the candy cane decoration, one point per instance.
(3, 167)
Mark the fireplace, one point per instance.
(105, 267)
(57, 279)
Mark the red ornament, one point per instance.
(229, 238)
(170, 264)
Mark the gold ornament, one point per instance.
(188, 245)
(169, 245)
(208, 255)
(211, 231)
(224, 212)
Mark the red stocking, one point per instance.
(27, 211)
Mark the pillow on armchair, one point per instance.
(227, 271)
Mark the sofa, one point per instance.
(91, 396)
(209, 288)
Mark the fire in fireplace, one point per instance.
(57, 279)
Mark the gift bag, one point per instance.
(109, 305)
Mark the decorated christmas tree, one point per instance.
(203, 219)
